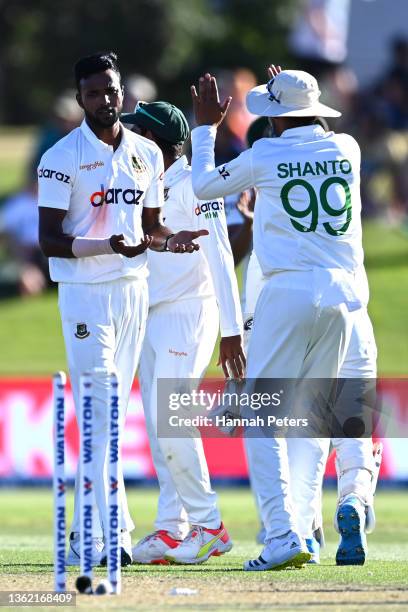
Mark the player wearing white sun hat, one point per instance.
(307, 238)
(292, 93)
(357, 459)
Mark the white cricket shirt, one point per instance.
(204, 273)
(255, 281)
(308, 207)
(104, 192)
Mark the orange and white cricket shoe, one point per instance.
(200, 544)
(152, 548)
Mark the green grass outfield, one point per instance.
(30, 330)
(381, 584)
(16, 147)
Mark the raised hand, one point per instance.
(118, 244)
(182, 242)
(207, 107)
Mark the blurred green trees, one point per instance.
(171, 41)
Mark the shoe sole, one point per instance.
(214, 553)
(298, 561)
(352, 548)
(151, 562)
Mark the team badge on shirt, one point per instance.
(82, 331)
(138, 164)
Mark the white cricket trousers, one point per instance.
(354, 456)
(178, 344)
(354, 460)
(294, 335)
(114, 314)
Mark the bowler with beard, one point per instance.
(100, 194)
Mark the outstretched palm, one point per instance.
(207, 107)
(182, 242)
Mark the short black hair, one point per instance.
(300, 121)
(167, 148)
(92, 64)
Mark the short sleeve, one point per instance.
(55, 179)
(154, 197)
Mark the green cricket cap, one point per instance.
(162, 118)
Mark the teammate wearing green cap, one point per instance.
(187, 300)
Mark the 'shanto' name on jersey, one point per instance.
(308, 207)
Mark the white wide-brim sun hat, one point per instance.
(292, 93)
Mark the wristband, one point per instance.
(89, 247)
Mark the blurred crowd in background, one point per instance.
(376, 114)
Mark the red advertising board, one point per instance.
(26, 450)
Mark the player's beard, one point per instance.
(102, 121)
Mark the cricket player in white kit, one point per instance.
(307, 238)
(357, 460)
(187, 298)
(100, 193)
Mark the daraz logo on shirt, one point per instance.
(116, 196)
(51, 174)
(209, 209)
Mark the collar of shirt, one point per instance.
(99, 144)
(303, 132)
(180, 164)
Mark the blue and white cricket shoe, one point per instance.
(73, 557)
(351, 518)
(313, 547)
(280, 553)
